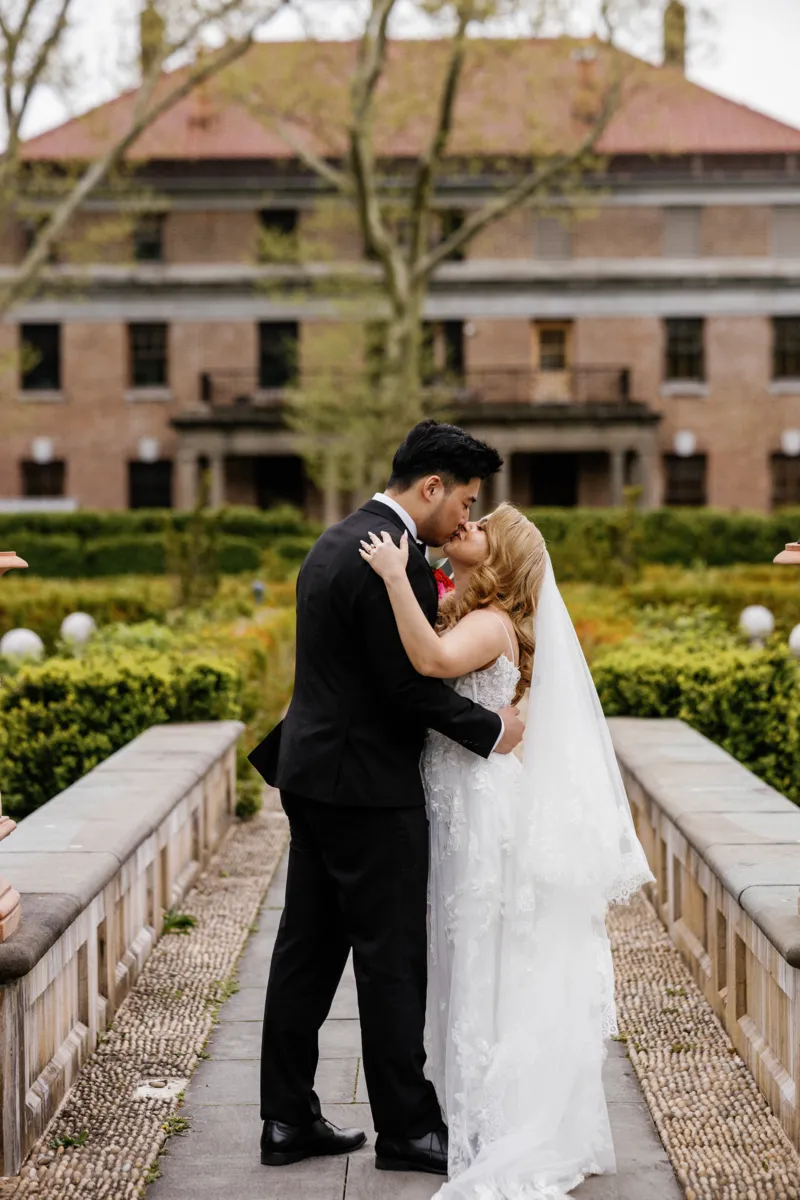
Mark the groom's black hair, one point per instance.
(434, 448)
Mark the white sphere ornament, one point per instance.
(22, 644)
(77, 628)
(794, 641)
(757, 622)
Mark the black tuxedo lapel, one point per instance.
(385, 512)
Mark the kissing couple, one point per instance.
(470, 883)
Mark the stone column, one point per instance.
(501, 482)
(186, 480)
(216, 465)
(331, 503)
(649, 472)
(10, 903)
(617, 475)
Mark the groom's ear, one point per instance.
(432, 486)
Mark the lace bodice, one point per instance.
(493, 687)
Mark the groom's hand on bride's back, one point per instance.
(513, 729)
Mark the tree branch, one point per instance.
(94, 174)
(339, 180)
(370, 67)
(429, 161)
(495, 209)
(40, 62)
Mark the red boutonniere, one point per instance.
(444, 583)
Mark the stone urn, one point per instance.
(10, 908)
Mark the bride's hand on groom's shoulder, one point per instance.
(386, 559)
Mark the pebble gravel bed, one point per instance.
(719, 1133)
(104, 1142)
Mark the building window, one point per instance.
(786, 231)
(150, 484)
(148, 238)
(552, 238)
(278, 234)
(148, 355)
(277, 353)
(43, 479)
(442, 352)
(785, 480)
(450, 221)
(553, 347)
(40, 357)
(685, 480)
(31, 228)
(786, 347)
(682, 232)
(685, 358)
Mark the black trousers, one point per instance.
(357, 879)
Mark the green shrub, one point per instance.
(292, 550)
(727, 590)
(251, 523)
(237, 554)
(59, 556)
(143, 554)
(42, 604)
(62, 718)
(747, 702)
(583, 542)
(263, 526)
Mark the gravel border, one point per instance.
(723, 1140)
(105, 1139)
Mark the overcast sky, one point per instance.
(749, 51)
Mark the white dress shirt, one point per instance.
(411, 526)
(408, 521)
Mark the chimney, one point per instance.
(151, 37)
(675, 35)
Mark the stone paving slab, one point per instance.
(220, 1153)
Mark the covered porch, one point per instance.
(554, 455)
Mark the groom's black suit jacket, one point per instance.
(357, 720)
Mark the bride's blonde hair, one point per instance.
(510, 577)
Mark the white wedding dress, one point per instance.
(525, 857)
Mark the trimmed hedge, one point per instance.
(60, 719)
(42, 604)
(585, 542)
(65, 557)
(727, 590)
(251, 523)
(747, 702)
(87, 545)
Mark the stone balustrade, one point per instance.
(97, 867)
(725, 850)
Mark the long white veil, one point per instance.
(574, 852)
(574, 812)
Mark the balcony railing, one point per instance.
(483, 385)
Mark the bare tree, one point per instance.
(395, 204)
(32, 44)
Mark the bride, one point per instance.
(526, 856)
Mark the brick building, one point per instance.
(650, 333)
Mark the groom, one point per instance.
(346, 759)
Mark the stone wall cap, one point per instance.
(773, 908)
(65, 853)
(45, 918)
(703, 830)
(742, 867)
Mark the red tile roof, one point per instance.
(517, 98)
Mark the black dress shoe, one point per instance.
(283, 1144)
(426, 1153)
